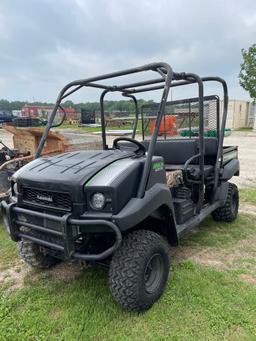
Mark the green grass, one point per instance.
(245, 129)
(96, 129)
(8, 251)
(199, 303)
(79, 128)
(231, 246)
(248, 195)
(220, 234)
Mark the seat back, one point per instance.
(178, 151)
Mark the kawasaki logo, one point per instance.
(44, 197)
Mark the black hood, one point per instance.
(67, 170)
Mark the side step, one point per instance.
(195, 220)
(184, 209)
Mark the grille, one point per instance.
(43, 236)
(56, 200)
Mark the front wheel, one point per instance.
(228, 212)
(32, 255)
(139, 270)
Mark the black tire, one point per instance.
(139, 270)
(229, 211)
(32, 255)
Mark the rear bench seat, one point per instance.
(177, 151)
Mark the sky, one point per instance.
(46, 44)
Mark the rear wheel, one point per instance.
(229, 211)
(31, 254)
(139, 270)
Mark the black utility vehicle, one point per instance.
(6, 116)
(126, 204)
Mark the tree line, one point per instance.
(122, 105)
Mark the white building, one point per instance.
(252, 115)
(16, 113)
(238, 113)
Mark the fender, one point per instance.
(222, 192)
(138, 209)
(230, 169)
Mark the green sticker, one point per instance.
(158, 165)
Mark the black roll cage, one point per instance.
(168, 79)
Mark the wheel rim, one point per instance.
(153, 273)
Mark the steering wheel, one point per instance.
(141, 147)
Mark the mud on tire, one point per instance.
(32, 255)
(229, 211)
(139, 270)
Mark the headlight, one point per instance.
(98, 201)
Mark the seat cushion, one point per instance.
(208, 169)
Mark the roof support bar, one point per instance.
(78, 84)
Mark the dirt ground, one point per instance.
(246, 142)
(6, 137)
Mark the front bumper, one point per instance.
(67, 247)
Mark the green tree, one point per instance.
(126, 105)
(247, 75)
